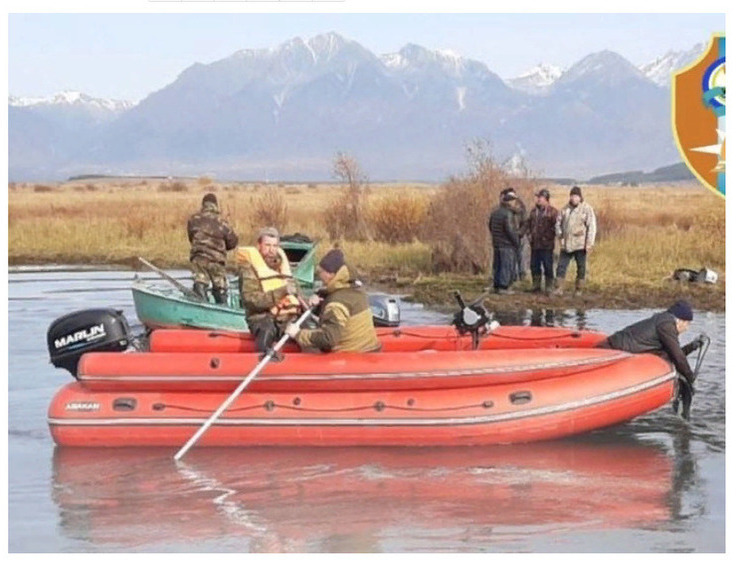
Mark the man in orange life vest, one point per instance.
(268, 292)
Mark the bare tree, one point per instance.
(345, 217)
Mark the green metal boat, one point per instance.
(163, 306)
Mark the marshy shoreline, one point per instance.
(645, 233)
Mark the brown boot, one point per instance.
(579, 287)
(559, 282)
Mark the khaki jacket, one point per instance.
(346, 322)
(576, 227)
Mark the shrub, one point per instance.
(269, 208)
(397, 218)
(173, 186)
(344, 218)
(41, 188)
(204, 181)
(456, 226)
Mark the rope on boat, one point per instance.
(379, 406)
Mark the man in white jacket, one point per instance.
(577, 229)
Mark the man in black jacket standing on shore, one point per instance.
(502, 226)
(659, 335)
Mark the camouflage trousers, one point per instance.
(208, 272)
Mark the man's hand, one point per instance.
(292, 330)
(589, 249)
(314, 300)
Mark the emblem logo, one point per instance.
(699, 115)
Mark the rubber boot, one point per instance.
(549, 284)
(201, 290)
(579, 287)
(536, 284)
(559, 282)
(220, 296)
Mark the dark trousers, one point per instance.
(265, 331)
(504, 266)
(496, 266)
(542, 260)
(565, 259)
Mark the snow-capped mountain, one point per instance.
(71, 98)
(537, 79)
(661, 68)
(284, 112)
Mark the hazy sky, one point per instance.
(127, 56)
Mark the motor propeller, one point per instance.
(473, 319)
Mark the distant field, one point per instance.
(644, 232)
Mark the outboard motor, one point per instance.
(473, 319)
(95, 329)
(385, 310)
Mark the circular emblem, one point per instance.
(714, 84)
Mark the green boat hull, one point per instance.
(164, 307)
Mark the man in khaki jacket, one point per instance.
(577, 229)
(346, 322)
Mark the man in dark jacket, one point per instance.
(659, 335)
(541, 227)
(506, 243)
(211, 237)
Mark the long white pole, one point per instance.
(239, 389)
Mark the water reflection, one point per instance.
(296, 499)
(565, 318)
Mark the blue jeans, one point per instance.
(565, 259)
(542, 260)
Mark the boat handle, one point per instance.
(520, 397)
(124, 404)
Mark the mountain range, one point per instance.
(282, 113)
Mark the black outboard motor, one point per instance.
(95, 329)
(473, 319)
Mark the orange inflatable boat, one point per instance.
(536, 407)
(406, 338)
(428, 387)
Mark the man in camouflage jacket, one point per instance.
(211, 237)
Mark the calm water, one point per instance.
(655, 484)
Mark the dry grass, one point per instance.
(644, 232)
(397, 218)
(270, 208)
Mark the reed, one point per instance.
(644, 232)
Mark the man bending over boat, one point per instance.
(211, 237)
(346, 322)
(267, 288)
(659, 335)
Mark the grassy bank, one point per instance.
(644, 234)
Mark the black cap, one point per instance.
(509, 196)
(682, 310)
(543, 193)
(210, 198)
(576, 190)
(332, 261)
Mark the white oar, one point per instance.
(239, 389)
